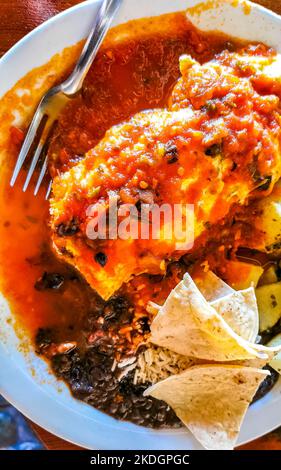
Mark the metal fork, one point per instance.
(56, 98)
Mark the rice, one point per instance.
(156, 363)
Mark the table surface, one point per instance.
(17, 18)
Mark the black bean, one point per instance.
(101, 258)
(267, 384)
(49, 281)
(76, 374)
(117, 309)
(44, 337)
(138, 205)
(144, 324)
(267, 335)
(214, 150)
(68, 229)
(91, 379)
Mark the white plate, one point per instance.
(40, 397)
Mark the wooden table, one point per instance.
(17, 18)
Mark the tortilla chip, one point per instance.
(240, 311)
(189, 325)
(238, 308)
(270, 352)
(211, 286)
(256, 363)
(211, 400)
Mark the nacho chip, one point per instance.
(240, 311)
(238, 308)
(211, 286)
(187, 324)
(211, 400)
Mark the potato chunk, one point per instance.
(269, 305)
(242, 275)
(276, 361)
(269, 222)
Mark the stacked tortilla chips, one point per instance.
(217, 326)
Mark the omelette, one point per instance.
(215, 147)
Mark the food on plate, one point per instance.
(217, 147)
(167, 114)
(269, 221)
(269, 305)
(194, 389)
(201, 395)
(219, 330)
(240, 311)
(155, 363)
(211, 286)
(189, 325)
(275, 363)
(237, 309)
(243, 275)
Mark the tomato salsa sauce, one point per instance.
(69, 323)
(125, 78)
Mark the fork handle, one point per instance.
(103, 21)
